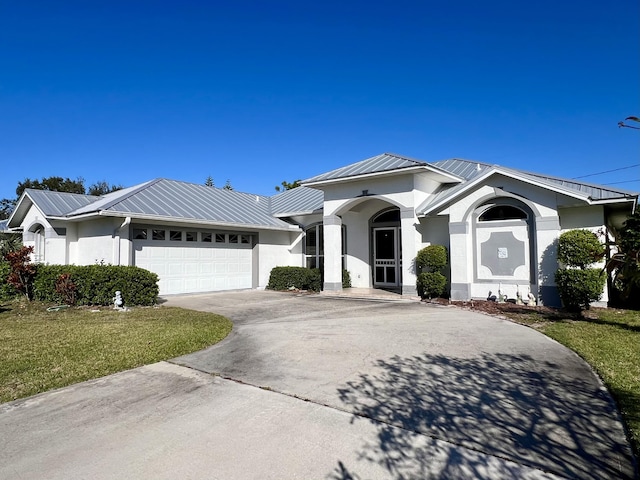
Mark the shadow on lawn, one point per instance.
(506, 406)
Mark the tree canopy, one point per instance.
(288, 185)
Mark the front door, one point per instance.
(386, 254)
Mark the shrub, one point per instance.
(431, 284)
(97, 284)
(301, 278)
(346, 279)
(430, 262)
(579, 248)
(22, 271)
(578, 285)
(7, 291)
(66, 288)
(578, 288)
(432, 258)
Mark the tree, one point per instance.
(6, 207)
(209, 182)
(102, 188)
(288, 186)
(625, 263)
(227, 186)
(54, 184)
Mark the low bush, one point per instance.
(578, 288)
(97, 284)
(301, 278)
(431, 284)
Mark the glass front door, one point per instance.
(385, 257)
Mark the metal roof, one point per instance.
(58, 204)
(297, 201)
(378, 164)
(472, 171)
(188, 201)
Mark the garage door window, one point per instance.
(192, 236)
(220, 237)
(206, 237)
(140, 233)
(175, 235)
(158, 234)
(233, 238)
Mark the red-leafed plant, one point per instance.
(66, 288)
(22, 270)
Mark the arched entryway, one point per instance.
(386, 249)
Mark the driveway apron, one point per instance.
(308, 386)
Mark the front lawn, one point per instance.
(42, 350)
(608, 339)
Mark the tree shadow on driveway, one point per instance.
(512, 407)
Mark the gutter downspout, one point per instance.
(116, 238)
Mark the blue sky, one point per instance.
(260, 92)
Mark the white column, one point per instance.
(547, 233)
(332, 226)
(408, 233)
(461, 259)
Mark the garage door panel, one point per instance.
(201, 268)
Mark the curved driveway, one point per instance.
(321, 387)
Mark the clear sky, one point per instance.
(263, 91)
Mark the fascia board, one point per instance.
(192, 221)
(19, 207)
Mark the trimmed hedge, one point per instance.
(433, 258)
(7, 291)
(301, 278)
(97, 284)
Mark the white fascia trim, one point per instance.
(400, 171)
(293, 214)
(616, 200)
(494, 171)
(194, 221)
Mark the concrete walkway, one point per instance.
(318, 387)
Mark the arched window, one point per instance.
(389, 216)
(38, 244)
(502, 212)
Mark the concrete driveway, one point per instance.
(319, 387)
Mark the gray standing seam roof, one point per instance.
(58, 204)
(380, 163)
(297, 201)
(189, 201)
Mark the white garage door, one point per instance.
(190, 261)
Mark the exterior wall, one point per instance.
(96, 241)
(544, 231)
(54, 241)
(276, 249)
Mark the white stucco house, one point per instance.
(371, 218)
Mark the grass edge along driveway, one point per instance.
(42, 350)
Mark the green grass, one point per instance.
(42, 350)
(609, 340)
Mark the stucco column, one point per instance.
(461, 259)
(547, 233)
(408, 234)
(332, 227)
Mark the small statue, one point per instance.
(532, 299)
(501, 297)
(117, 301)
(518, 296)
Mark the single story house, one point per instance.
(499, 224)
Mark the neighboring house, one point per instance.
(372, 217)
